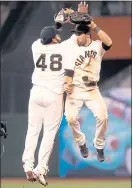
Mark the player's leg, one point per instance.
(51, 122)
(72, 109)
(35, 118)
(97, 105)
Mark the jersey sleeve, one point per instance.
(66, 42)
(69, 41)
(100, 47)
(71, 52)
(70, 58)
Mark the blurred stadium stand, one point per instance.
(14, 15)
(14, 24)
(117, 79)
(99, 8)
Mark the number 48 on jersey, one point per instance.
(55, 62)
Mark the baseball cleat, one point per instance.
(84, 151)
(42, 179)
(30, 176)
(100, 155)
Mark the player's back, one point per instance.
(49, 66)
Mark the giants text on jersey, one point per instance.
(88, 63)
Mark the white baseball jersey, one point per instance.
(88, 63)
(50, 62)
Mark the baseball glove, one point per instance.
(80, 18)
(63, 16)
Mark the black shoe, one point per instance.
(84, 151)
(100, 155)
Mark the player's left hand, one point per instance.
(81, 18)
(83, 7)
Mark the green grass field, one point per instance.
(91, 183)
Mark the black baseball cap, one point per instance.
(81, 28)
(48, 33)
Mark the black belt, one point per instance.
(87, 83)
(90, 84)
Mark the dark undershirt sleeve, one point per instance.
(105, 47)
(58, 25)
(69, 72)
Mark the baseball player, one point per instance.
(84, 89)
(52, 61)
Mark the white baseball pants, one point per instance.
(45, 110)
(94, 101)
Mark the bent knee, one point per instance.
(102, 115)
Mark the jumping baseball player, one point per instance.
(84, 89)
(52, 61)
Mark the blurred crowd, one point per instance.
(100, 8)
(96, 8)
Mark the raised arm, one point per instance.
(107, 41)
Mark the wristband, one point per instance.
(69, 73)
(97, 29)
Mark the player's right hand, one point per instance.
(83, 7)
(68, 88)
(63, 15)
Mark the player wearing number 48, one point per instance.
(52, 61)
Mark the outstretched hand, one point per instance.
(83, 7)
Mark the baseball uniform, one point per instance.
(46, 100)
(85, 91)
